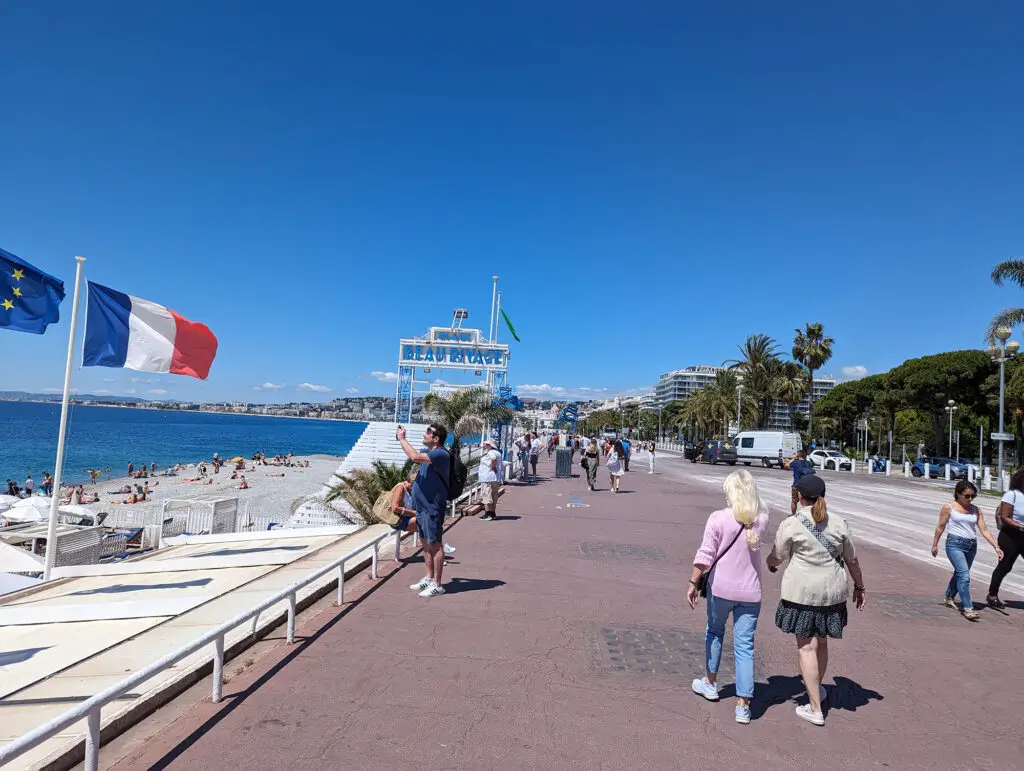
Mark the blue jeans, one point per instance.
(744, 622)
(961, 552)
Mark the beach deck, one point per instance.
(66, 640)
(564, 642)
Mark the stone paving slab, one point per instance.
(512, 669)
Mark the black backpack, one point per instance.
(457, 475)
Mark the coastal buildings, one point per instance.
(680, 383)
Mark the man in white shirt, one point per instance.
(490, 479)
(523, 450)
(535, 447)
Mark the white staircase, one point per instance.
(376, 443)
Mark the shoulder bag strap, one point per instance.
(826, 544)
(722, 554)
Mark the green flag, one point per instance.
(511, 328)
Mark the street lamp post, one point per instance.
(950, 409)
(739, 397)
(999, 352)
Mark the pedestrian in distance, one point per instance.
(614, 465)
(523, 450)
(732, 567)
(490, 479)
(800, 467)
(961, 520)
(430, 499)
(1010, 518)
(650, 458)
(591, 460)
(627, 453)
(820, 550)
(29, 486)
(535, 448)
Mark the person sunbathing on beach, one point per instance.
(243, 485)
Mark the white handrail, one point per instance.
(90, 708)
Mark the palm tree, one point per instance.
(788, 382)
(1010, 270)
(362, 487)
(466, 411)
(812, 349)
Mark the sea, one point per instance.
(110, 437)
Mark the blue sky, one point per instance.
(652, 181)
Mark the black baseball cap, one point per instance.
(811, 486)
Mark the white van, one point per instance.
(769, 448)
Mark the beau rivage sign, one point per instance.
(452, 348)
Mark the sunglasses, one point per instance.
(968, 496)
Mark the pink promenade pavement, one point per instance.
(564, 643)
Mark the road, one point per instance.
(893, 513)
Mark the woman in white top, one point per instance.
(820, 550)
(961, 520)
(614, 464)
(1011, 536)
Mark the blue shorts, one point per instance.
(403, 524)
(430, 526)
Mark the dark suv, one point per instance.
(719, 451)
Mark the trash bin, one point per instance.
(563, 462)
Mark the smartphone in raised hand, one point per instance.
(397, 430)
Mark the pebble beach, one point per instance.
(273, 491)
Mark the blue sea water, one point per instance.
(102, 437)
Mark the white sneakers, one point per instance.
(427, 588)
(702, 687)
(805, 712)
(448, 548)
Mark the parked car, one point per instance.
(937, 467)
(769, 448)
(830, 459)
(719, 451)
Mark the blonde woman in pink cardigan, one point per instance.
(730, 554)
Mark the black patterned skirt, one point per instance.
(811, 620)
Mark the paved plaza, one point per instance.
(564, 642)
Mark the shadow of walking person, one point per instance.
(778, 690)
(456, 585)
(849, 695)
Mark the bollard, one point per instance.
(971, 476)
(853, 466)
(871, 466)
(906, 468)
(947, 472)
(888, 468)
(927, 471)
(986, 478)
(1006, 482)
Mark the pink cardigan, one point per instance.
(737, 576)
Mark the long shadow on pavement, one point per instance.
(846, 694)
(457, 585)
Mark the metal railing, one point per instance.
(91, 708)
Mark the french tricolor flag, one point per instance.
(125, 331)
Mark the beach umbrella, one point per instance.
(35, 502)
(237, 459)
(78, 511)
(29, 510)
(6, 501)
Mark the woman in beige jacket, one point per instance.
(820, 550)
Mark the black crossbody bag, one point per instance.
(702, 580)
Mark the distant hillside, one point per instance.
(24, 396)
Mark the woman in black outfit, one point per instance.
(1010, 519)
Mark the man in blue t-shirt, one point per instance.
(800, 467)
(430, 499)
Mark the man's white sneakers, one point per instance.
(432, 590)
(422, 584)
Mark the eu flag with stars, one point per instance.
(29, 298)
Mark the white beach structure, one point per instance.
(377, 442)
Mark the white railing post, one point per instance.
(888, 468)
(373, 563)
(218, 669)
(398, 545)
(291, 618)
(947, 472)
(341, 584)
(906, 468)
(853, 466)
(971, 475)
(92, 740)
(927, 470)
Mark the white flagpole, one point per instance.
(494, 298)
(497, 320)
(51, 533)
